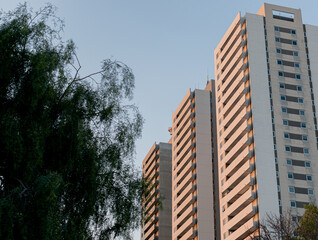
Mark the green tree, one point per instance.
(66, 141)
(308, 224)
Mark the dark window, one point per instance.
(294, 42)
(307, 164)
(278, 50)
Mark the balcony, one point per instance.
(238, 190)
(244, 231)
(241, 217)
(240, 203)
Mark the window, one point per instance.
(297, 76)
(306, 151)
(307, 164)
(294, 42)
(303, 125)
(277, 174)
(290, 175)
(281, 85)
(279, 202)
(300, 100)
(287, 148)
(283, 97)
(281, 74)
(296, 65)
(310, 191)
(286, 135)
(301, 112)
(279, 62)
(310, 78)
(275, 148)
(293, 31)
(304, 137)
(277, 39)
(274, 134)
(299, 88)
(293, 204)
(289, 162)
(291, 189)
(278, 188)
(309, 178)
(284, 110)
(308, 67)
(278, 50)
(276, 28)
(285, 122)
(295, 53)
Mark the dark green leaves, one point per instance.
(66, 140)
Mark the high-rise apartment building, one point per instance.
(193, 213)
(266, 69)
(156, 169)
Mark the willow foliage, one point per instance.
(67, 140)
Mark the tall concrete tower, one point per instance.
(266, 70)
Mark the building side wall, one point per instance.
(165, 168)
(204, 165)
(262, 123)
(312, 38)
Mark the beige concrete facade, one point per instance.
(156, 169)
(266, 118)
(193, 215)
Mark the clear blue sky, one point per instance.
(168, 43)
